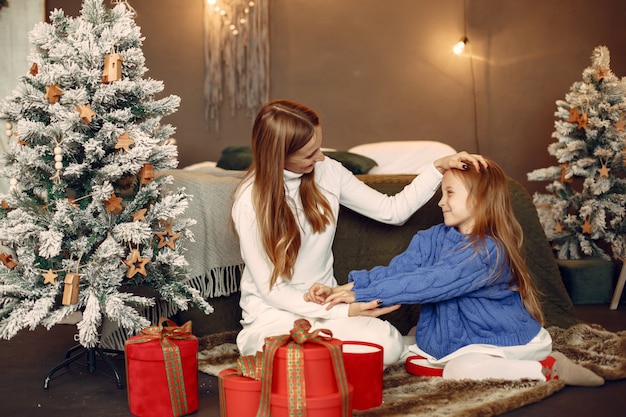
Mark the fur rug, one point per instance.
(592, 346)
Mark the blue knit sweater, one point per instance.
(461, 302)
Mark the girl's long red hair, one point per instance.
(489, 196)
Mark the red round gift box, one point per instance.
(146, 379)
(242, 394)
(364, 366)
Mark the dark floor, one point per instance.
(26, 359)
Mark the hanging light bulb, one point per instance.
(459, 47)
(211, 2)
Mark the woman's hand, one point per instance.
(460, 160)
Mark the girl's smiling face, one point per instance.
(454, 203)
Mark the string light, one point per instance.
(459, 47)
(228, 12)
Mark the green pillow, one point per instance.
(235, 158)
(240, 157)
(357, 164)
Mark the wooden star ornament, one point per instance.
(581, 119)
(558, 228)
(85, 112)
(587, 227)
(113, 204)
(53, 93)
(136, 264)
(604, 171)
(601, 73)
(34, 69)
(49, 277)
(167, 237)
(123, 142)
(140, 215)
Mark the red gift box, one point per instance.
(162, 371)
(239, 395)
(364, 366)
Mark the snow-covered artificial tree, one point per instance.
(88, 218)
(584, 213)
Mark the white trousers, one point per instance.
(363, 329)
(488, 361)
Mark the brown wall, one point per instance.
(382, 70)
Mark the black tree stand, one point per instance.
(91, 354)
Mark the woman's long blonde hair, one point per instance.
(281, 128)
(489, 196)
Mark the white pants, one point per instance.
(488, 361)
(363, 329)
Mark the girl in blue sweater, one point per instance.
(480, 316)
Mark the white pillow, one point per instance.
(403, 157)
(201, 165)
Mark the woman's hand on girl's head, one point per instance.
(460, 160)
(370, 309)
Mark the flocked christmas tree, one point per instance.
(88, 218)
(584, 212)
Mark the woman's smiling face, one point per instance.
(303, 160)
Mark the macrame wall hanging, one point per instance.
(236, 56)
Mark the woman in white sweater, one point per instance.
(285, 213)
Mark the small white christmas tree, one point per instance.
(88, 217)
(584, 214)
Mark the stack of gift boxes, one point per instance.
(302, 370)
(302, 373)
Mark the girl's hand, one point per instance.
(318, 293)
(340, 296)
(370, 309)
(460, 160)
